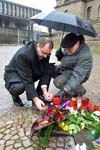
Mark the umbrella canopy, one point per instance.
(64, 22)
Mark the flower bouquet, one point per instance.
(70, 116)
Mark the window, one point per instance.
(89, 12)
(28, 13)
(13, 10)
(99, 11)
(5, 8)
(31, 12)
(9, 9)
(21, 12)
(17, 11)
(0, 7)
(25, 12)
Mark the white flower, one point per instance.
(97, 113)
(75, 112)
(71, 109)
(95, 117)
(82, 125)
(77, 147)
(83, 112)
(83, 147)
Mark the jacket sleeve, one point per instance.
(80, 72)
(24, 68)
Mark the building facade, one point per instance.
(86, 9)
(15, 24)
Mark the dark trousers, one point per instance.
(16, 89)
(60, 82)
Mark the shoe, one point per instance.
(17, 101)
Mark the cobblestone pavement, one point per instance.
(15, 133)
(15, 123)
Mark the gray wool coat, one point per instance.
(77, 67)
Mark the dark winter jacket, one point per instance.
(27, 68)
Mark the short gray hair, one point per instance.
(43, 41)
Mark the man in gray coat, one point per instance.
(75, 67)
(28, 65)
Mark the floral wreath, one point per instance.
(71, 116)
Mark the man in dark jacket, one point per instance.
(28, 65)
(75, 67)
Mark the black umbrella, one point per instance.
(65, 22)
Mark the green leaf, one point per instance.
(43, 140)
(94, 134)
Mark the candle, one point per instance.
(73, 103)
(56, 100)
(85, 102)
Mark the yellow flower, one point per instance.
(82, 125)
(61, 124)
(65, 128)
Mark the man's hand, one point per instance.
(48, 96)
(39, 103)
